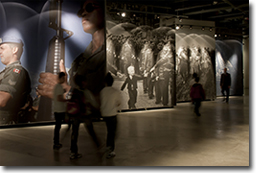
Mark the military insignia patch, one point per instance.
(17, 71)
(11, 82)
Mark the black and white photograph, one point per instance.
(195, 54)
(141, 55)
(127, 85)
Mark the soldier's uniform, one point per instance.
(15, 80)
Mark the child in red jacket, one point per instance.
(197, 94)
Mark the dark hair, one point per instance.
(61, 74)
(109, 80)
(194, 75)
(78, 79)
(197, 79)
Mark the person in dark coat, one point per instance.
(225, 83)
(131, 82)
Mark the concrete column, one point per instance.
(246, 65)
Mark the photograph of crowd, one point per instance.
(142, 57)
(195, 54)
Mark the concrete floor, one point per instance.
(165, 137)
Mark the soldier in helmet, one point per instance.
(15, 83)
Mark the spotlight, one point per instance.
(216, 35)
(210, 29)
(180, 19)
(203, 28)
(123, 14)
(190, 26)
(177, 27)
(181, 26)
(215, 2)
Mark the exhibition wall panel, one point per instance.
(30, 21)
(141, 58)
(195, 53)
(229, 55)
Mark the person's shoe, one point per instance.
(57, 146)
(75, 156)
(111, 154)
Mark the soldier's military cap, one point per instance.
(11, 39)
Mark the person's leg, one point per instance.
(90, 129)
(196, 106)
(131, 102)
(134, 98)
(199, 104)
(161, 88)
(111, 123)
(165, 89)
(145, 85)
(150, 88)
(223, 93)
(227, 98)
(157, 92)
(58, 120)
(74, 135)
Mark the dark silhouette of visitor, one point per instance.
(225, 83)
(197, 94)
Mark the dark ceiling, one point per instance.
(230, 16)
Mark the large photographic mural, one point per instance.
(195, 53)
(30, 21)
(141, 57)
(152, 62)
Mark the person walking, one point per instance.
(81, 108)
(110, 104)
(225, 83)
(59, 108)
(197, 94)
(91, 63)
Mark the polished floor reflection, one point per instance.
(165, 137)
